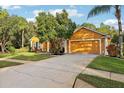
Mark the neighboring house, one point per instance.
(84, 40)
(34, 43)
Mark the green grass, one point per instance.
(33, 57)
(7, 64)
(5, 55)
(9, 55)
(108, 64)
(100, 82)
(28, 56)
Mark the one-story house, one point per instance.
(84, 40)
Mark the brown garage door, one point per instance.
(88, 47)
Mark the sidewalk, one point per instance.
(82, 84)
(104, 74)
(109, 75)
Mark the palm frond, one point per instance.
(99, 10)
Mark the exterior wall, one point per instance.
(85, 34)
(44, 46)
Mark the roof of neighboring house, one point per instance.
(90, 30)
(34, 39)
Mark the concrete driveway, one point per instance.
(55, 72)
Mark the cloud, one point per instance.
(123, 28)
(72, 6)
(5, 6)
(35, 12)
(71, 12)
(53, 12)
(16, 7)
(30, 19)
(10, 7)
(74, 13)
(113, 22)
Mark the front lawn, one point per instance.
(28, 56)
(7, 64)
(4, 55)
(31, 56)
(108, 64)
(100, 82)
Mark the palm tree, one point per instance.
(22, 26)
(106, 9)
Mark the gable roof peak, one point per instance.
(88, 29)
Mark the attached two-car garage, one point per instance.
(87, 41)
(87, 46)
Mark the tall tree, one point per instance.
(66, 26)
(64, 30)
(106, 9)
(3, 13)
(14, 31)
(54, 29)
(22, 24)
(20, 30)
(89, 25)
(46, 26)
(29, 31)
(106, 29)
(6, 27)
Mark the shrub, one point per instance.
(56, 46)
(24, 49)
(112, 50)
(11, 49)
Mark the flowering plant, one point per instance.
(112, 50)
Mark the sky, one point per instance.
(78, 13)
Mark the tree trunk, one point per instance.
(22, 39)
(118, 15)
(2, 48)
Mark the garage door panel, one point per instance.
(89, 47)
